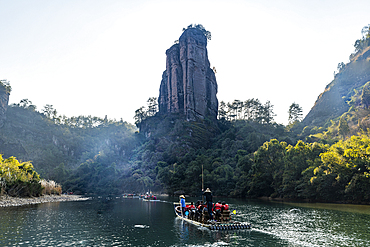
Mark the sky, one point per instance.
(98, 58)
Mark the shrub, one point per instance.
(50, 187)
(19, 179)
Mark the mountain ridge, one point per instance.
(337, 96)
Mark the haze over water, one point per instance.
(133, 222)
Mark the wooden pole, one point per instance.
(202, 180)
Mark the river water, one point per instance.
(133, 222)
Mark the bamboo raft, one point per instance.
(225, 224)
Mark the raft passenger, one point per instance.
(183, 205)
(208, 195)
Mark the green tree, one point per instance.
(252, 108)
(140, 115)
(295, 177)
(238, 105)
(49, 111)
(340, 67)
(365, 31)
(295, 113)
(362, 43)
(222, 112)
(343, 127)
(266, 114)
(152, 106)
(19, 179)
(365, 95)
(232, 111)
(200, 27)
(267, 170)
(6, 85)
(348, 162)
(248, 112)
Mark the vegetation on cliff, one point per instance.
(200, 27)
(347, 92)
(5, 85)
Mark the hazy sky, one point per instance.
(88, 57)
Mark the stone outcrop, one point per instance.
(188, 84)
(4, 100)
(333, 102)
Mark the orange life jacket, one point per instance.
(218, 206)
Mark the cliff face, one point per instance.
(332, 103)
(4, 100)
(188, 84)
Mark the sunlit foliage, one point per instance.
(19, 179)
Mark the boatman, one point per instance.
(183, 205)
(208, 195)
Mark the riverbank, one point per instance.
(8, 201)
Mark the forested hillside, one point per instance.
(242, 153)
(323, 158)
(84, 154)
(347, 94)
(176, 150)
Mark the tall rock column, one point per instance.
(189, 84)
(4, 100)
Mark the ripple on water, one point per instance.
(141, 226)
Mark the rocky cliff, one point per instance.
(188, 84)
(4, 100)
(339, 95)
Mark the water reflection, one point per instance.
(191, 235)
